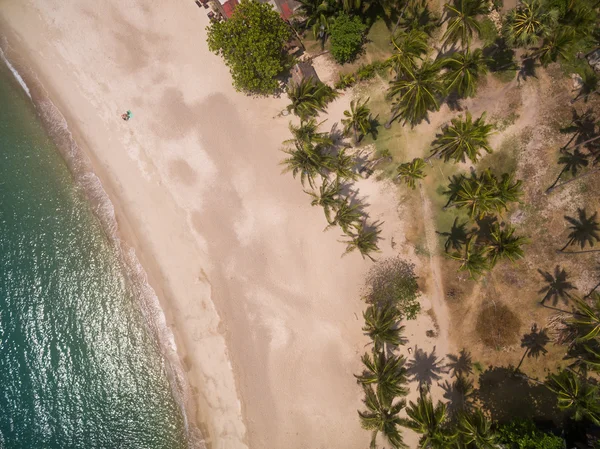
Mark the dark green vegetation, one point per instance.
(252, 44)
(347, 36)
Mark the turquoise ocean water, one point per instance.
(79, 367)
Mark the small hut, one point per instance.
(303, 70)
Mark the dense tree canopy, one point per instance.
(347, 37)
(252, 44)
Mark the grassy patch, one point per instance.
(378, 46)
(505, 76)
(503, 159)
(489, 34)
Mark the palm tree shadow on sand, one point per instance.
(425, 368)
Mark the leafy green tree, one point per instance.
(381, 326)
(462, 21)
(464, 70)
(382, 417)
(327, 197)
(307, 160)
(358, 120)
(319, 15)
(525, 24)
(555, 44)
(572, 162)
(347, 38)
(387, 373)
(576, 396)
(463, 138)
(473, 260)
(476, 430)
(362, 239)
(503, 244)
(309, 97)
(416, 92)
(410, 172)
(344, 165)
(409, 47)
(522, 434)
(431, 422)
(393, 281)
(584, 229)
(308, 132)
(252, 44)
(456, 237)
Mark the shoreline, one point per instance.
(140, 274)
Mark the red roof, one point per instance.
(229, 6)
(286, 12)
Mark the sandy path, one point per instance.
(262, 306)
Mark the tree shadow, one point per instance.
(500, 56)
(456, 237)
(506, 396)
(557, 287)
(425, 368)
(461, 364)
(534, 343)
(527, 69)
(582, 126)
(458, 394)
(483, 231)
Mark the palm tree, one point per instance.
(430, 422)
(417, 93)
(364, 240)
(347, 215)
(409, 47)
(504, 245)
(556, 44)
(557, 285)
(474, 261)
(573, 161)
(586, 319)
(381, 326)
(454, 187)
(416, 15)
(475, 429)
(382, 417)
(307, 160)
(328, 196)
(584, 229)
(386, 373)
(456, 237)
(463, 138)
(410, 172)
(578, 397)
(462, 22)
(319, 15)
(308, 132)
(309, 97)
(343, 165)
(525, 24)
(464, 69)
(359, 121)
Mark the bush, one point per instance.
(347, 37)
(393, 281)
(257, 30)
(345, 81)
(523, 434)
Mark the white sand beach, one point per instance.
(266, 314)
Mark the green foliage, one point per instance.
(416, 93)
(408, 49)
(383, 417)
(488, 32)
(393, 281)
(577, 396)
(523, 434)
(525, 24)
(362, 239)
(307, 160)
(386, 372)
(319, 15)
(410, 172)
(381, 326)
(431, 422)
(252, 44)
(503, 244)
(345, 81)
(309, 97)
(463, 138)
(464, 70)
(358, 121)
(347, 37)
(462, 22)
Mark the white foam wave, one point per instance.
(16, 74)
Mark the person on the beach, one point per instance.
(127, 115)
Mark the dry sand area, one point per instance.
(266, 314)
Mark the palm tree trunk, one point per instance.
(400, 17)
(592, 290)
(549, 189)
(388, 124)
(583, 175)
(521, 362)
(355, 135)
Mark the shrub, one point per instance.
(523, 434)
(347, 37)
(393, 281)
(345, 81)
